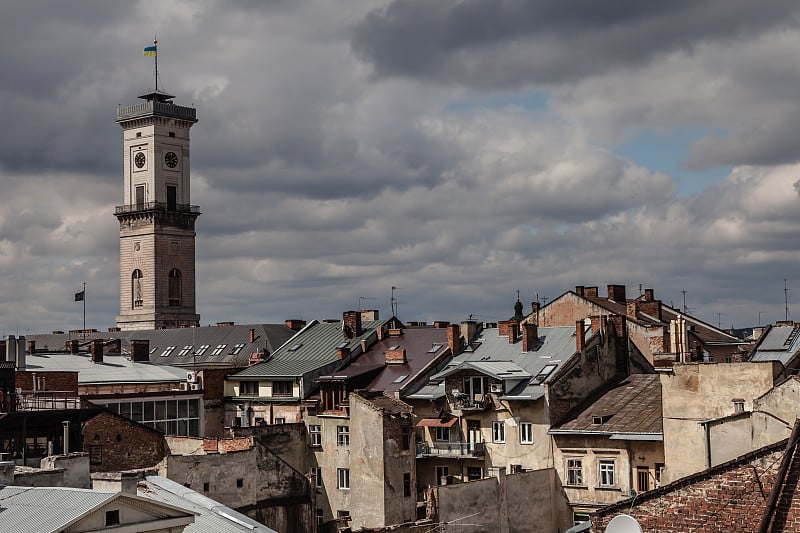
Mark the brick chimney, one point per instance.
(97, 351)
(513, 332)
(580, 336)
(590, 292)
(74, 346)
(352, 324)
(252, 335)
(535, 306)
(631, 308)
(454, 338)
(579, 290)
(530, 334)
(616, 293)
(651, 307)
(140, 351)
(620, 324)
(343, 353)
(295, 324)
(396, 356)
(595, 323)
(440, 324)
(649, 295)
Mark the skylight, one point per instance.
(237, 349)
(185, 350)
(400, 379)
(167, 351)
(218, 349)
(295, 347)
(435, 348)
(201, 350)
(543, 373)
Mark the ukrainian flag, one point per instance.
(150, 50)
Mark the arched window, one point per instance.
(136, 288)
(175, 288)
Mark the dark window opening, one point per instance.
(205, 486)
(172, 198)
(112, 517)
(406, 485)
(172, 134)
(175, 288)
(240, 483)
(140, 197)
(136, 288)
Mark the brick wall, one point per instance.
(121, 444)
(728, 498)
(53, 381)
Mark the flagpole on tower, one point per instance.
(84, 309)
(155, 44)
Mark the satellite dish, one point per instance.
(623, 524)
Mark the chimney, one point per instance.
(579, 290)
(343, 353)
(124, 482)
(352, 324)
(2, 350)
(469, 329)
(440, 324)
(66, 436)
(648, 295)
(363, 345)
(631, 308)
(513, 331)
(74, 346)
(454, 338)
(395, 355)
(31, 347)
(224, 324)
(140, 351)
(395, 332)
(616, 293)
(595, 323)
(580, 336)
(590, 292)
(295, 324)
(20, 353)
(651, 307)
(380, 332)
(368, 315)
(502, 328)
(114, 329)
(97, 351)
(535, 306)
(11, 348)
(530, 334)
(620, 324)
(252, 335)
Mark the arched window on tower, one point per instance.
(175, 288)
(136, 288)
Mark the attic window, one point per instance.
(543, 373)
(167, 351)
(236, 349)
(185, 350)
(435, 348)
(601, 419)
(201, 350)
(400, 379)
(295, 347)
(112, 517)
(218, 349)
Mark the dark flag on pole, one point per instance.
(79, 295)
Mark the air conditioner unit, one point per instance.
(191, 377)
(496, 387)
(194, 386)
(184, 386)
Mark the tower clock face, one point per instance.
(139, 159)
(171, 159)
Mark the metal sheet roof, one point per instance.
(113, 369)
(780, 343)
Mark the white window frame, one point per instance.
(499, 432)
(343, 478)
(167, 351)
(442, 434)
(242, 386)
(316, 471)
(526, 432)
(575, 471)
(441, 471)
(607, 473)
(219, 349)
(343, 435)
(315, 435)
(185, 350)
(201, 350)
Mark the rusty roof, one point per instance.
(633, 406)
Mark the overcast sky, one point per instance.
(458, 150)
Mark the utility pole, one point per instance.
(719, 319)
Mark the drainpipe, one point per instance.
(707, 428)
(66, 436)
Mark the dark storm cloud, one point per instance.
(504, 43)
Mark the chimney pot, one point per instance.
(31, 347)
(252, 335)
(343, 353)
(97, 351)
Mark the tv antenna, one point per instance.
(361, 302)
(394, 301)
(786, 297)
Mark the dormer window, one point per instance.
(738, 406)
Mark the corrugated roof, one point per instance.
(113, 369)
(315, 346)
(780, 343)
(633, 406)
(211, 515)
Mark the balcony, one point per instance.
(465, 402)
(157, 207)
(154, 107)
(450, 449)
(44, 400)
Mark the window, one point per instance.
(316, 471)
(167, 351)
(405, 438)
(579, 518)
(185, 350)
(442, 434)
(174, 288)
(112, 517)
(320, 516)
(136, 288)
(543, 373)
(642, 479)
(280, 420)
(295, 347)
(499, 432)
(474, 473)
(172, 197)
(239, 483)
(315, 434)
(172, 134)
(435, 348)
(237, 349)
(659, 473)
(738, 406)
(343, 478)
(526, 433)
(201, 350)
(442, 472)
(218, 350)
(343, 435)
(206, 486)
(575, 472)
(606, 473)
(475, 386)
(248, 388)
(400, 379)
(140, 197)
(282, 388)
(407, 484)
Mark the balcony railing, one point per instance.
(450, 449)
(470, 403)
(152, 107)
(156, 206)
(43, 400)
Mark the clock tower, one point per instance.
(156, 220)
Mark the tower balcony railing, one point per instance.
(125, 112)
(156, 206)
